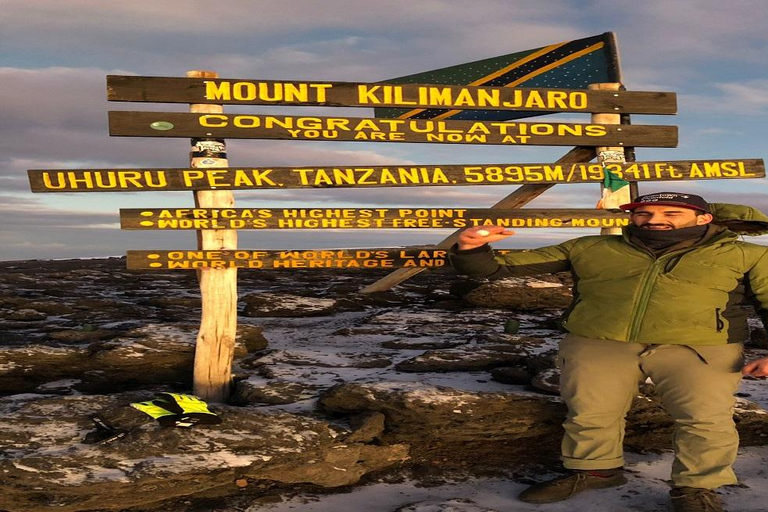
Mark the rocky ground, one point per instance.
(440, 379)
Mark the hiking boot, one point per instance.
(567, 486)
(694, 499)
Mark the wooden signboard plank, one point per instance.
(365, 218)
(246, 178)
(409, 257)
(257, 126)
(232, 91)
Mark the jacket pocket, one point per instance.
(719, 323)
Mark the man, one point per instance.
(660, 301)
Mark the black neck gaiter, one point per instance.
(659, 239)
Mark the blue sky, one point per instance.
(55, 55)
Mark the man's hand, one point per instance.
(756, 368)
(477, 236)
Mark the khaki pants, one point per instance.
(695, 383)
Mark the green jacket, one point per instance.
(623, 292)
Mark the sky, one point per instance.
(55, 55)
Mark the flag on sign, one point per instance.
(567, 65)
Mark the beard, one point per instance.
(656, 238)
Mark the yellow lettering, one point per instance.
(712, 169)
(516, 99)
(731, 169)
(596, 130)
(399, 96)
(320, 91)
(363, 179)
(86, 180)
(487, 98)
(557, 99)
(367, 124)
(535, 100)
(366, 94)
(479, 127)
(49, 184)
(296, 93)
(695, 172)
(439, 96)
(464, 98)
(579, 100)
(213, 120)
(277, 91)
(244, 91)
(220, 91)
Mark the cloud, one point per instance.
(242, 36)
(748, 98)
(666, 33)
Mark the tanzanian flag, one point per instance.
(567, 65)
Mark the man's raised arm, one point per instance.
(474, 257)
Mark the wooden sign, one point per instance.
(419, 257)
(229, 91)
(365, 218)
(256, 126)
(246, 178)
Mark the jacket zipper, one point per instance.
(649, 279)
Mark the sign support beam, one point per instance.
(610, 199)
(214, 350)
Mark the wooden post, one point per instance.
(520, 197)
(607, 155)
(218, 287)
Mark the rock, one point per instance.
(172, 302)
(500, 430)
(547, 381)
(542, 361)
(759, 338)
(420, 344)
(369, 361)
(455, 428)
(521, 294)
(251, 337)
(47, 466)
(366, 427)
(58, 387)
(274, 392)
(26, 315)
(454, 505)
(421, 410)
(153, 355)
(75, 336)
(324, 360)
(463, 359)
(50, 308)
(286, 305)
(511, 375)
